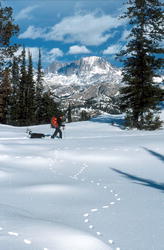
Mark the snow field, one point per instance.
(99, 188)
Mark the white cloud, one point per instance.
(78, 50)
(53, 54)
(56, 52)
(47, 56)
(25, 13)
(113, 49)
(88, 29)
(33, 33)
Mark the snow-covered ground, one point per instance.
(99, 188)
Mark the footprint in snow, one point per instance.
(112, 203)
(28, 242)
(94, 209)
(13, 234)
(106, 206)
(86, 214)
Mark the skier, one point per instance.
(56, 122)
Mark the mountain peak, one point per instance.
(91, 59)
(85, 71)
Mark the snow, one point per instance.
(89, 73)
(100, 188)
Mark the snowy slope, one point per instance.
(99, 188)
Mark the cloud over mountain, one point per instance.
(87, 29)
(78, 50)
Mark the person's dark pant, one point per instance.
(57, 131)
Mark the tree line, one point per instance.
(23, 98)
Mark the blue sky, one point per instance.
(67, 30)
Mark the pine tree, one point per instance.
(22, 116)
(39, 91)
(69, 115)
(30, 93)
(40, 71)
(15, 95)
(141, 58)
(7, 30)
(6, 90)
(49, 107)
(44, 99)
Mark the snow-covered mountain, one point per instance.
(90, 78)
(81, 75)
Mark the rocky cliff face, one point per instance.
(88, 79)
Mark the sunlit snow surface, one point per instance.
(100, 188)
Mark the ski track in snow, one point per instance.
(87, 216)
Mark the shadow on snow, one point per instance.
(115, 120)
(141, 181)
(159, 156)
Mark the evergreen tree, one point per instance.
(44, 99)
(7, 30)
(69, 115)
(49, 107)
(22, 116)
(30, 93)
(6, 90)
(15, 95)
(40, 71)
(39, 91)
(84, 116)
(141, 94)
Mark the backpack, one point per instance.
(54, 122)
